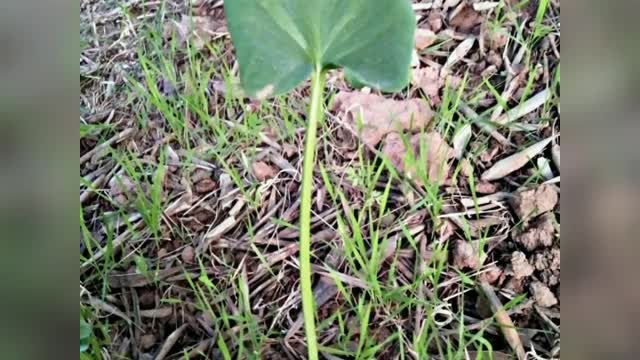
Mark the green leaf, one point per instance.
(280, 42)
(85, 335)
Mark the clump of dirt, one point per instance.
(491, 274)
(496, 37)
(424, 38)
(205, 185)
(188, 254)
(263, 171)
(438, 154)
(147, 341)
(542, 295)
(548, 265)
(380, 115)
(541, 233)
(529, 203)
(466, 19)
(465, 256)
(520, 265)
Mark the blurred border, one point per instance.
(39, 86)
(600, 202)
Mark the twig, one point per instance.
(171, 340)
(115, 244)
(504, 321)
(201, 348)
(115, 139)
(526, 107)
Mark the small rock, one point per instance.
(540, 234)
(520, 266)
(542, 295)
(465, 256)
(438, 153)
(262, 171)
(188, 254)
(532, 202)
(147, 341)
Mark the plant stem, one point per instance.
(308, 306)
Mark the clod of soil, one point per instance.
(428, 79)
(437, 150)
(532, 202)
(520, 265)
(205, 186)
(262, 171)
(188, 254)
(147, 299)
(486, 188)
(424, 38)
(147, 341)
(542, 295)
(491, 274)
(548, 264)
(496, 37)
(289, 150)
(540, 234)
(380, 115)
(435, 20)
(465, 256)
(466, 19)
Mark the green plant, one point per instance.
(280, 43)
(85, 335)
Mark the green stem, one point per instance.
(308, 306)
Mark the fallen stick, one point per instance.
(504, 321)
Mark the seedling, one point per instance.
(280, 43)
